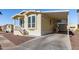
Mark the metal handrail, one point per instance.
(21, 30)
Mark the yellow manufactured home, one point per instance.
(38, 23)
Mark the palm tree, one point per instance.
(77, 10)
(0, 13)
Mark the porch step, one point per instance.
(20, 31)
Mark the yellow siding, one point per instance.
(46, 26)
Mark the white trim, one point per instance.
(55, 11)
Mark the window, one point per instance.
(31, 21)
(22, 23)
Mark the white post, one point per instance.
(68, 31)
(18, 21)
(68, 24)
(14, 25)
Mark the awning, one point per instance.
(18, 17)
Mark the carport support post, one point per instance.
(13, 22)
(68, 24)
(68, 30)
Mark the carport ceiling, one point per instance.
(58, 15)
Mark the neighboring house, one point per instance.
(7, 28)
(40, 23)
(73, 27)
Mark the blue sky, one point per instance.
(6, 18)
(73, 17)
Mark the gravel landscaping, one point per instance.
(16, 39)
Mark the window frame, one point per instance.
(31, 23)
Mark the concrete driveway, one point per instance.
(47, 42)
(75, 41)
(5, 43)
